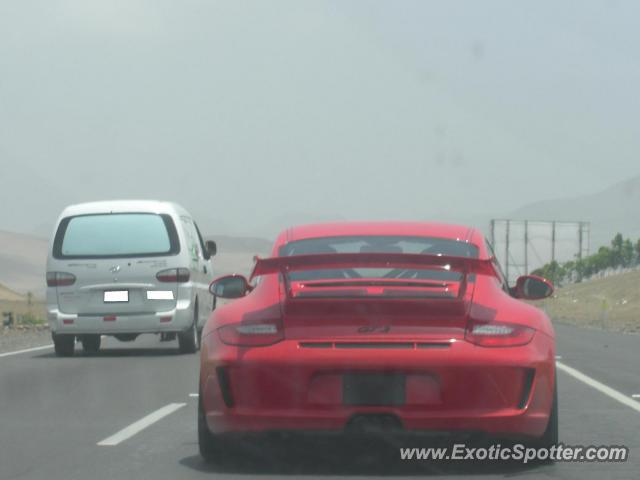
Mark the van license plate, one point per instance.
(116, 296)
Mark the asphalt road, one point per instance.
(56, 412)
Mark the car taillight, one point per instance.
(173, 275)
(252, 334)
(60, 279)
(498, 334)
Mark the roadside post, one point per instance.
(7, 319)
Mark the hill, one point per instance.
(235, 254)
(8, 295)
(610, 303)
(612, 210)
(228, 243)
(23, 259)
(22, 262)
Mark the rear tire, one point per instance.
(90, 344)
(189, 340)
(64, 345)
(550, 436)
(217, 448)
(209, 444)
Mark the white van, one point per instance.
(123, 268)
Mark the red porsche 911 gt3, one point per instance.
(407, 326)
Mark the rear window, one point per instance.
(116, 235)
(379, 244)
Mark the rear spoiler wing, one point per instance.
(294, 263)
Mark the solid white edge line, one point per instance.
(26, 350)
(194, 395)
(140, 425)
(601, 387)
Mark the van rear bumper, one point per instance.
(174, 320)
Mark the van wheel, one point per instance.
(189, 340)
(90, 344)
(63, 344)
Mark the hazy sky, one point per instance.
(255, 114)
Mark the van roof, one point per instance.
(121, 206)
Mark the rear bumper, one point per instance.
(507, 423)
(464, 388)
(175, 320)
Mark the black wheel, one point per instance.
(211, 447)
(189, 340)
(550, 436)
(90, 344)
(63, 344)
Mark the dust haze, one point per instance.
(255, 115)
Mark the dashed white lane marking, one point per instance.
(601, 387)
(26, 350)
(636, 395)
(140, 425)
(558, 357)
(194, 395)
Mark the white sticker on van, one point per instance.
(160, 295)
(116, 296)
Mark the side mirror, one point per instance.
(230, 286)
(532, 287)
(211, 247)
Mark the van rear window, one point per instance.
(116, 235)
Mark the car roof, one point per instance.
(122, 206)
(418, 229)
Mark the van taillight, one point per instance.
(60, 279)
(173, 275)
